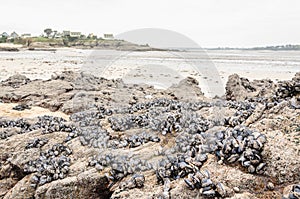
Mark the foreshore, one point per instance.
(145, 124)
(163, 67)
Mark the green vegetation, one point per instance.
(62, 39)
(3, 39)
(65, 41)
(48, 31)
(43, 39)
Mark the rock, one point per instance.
(236, 88)
(21, 107)
(239, 88)
(9, 49)
(236, 189)
(279, 152)
(295, 102)
(89, 184)
(270, 186)
(186, 89)
(16, 81)
(34, 45)
(21, 190)
(68, 76)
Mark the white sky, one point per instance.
(211, 23)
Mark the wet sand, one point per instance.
(160, 69)
(6, 110)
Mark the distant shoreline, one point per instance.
(273, 48)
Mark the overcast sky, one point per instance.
(211, 23)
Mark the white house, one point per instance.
(108, 36)
(75, 34)
(14, 35)
(67, 33)
(26, 35)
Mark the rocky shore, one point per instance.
(80, 136)
(9, 47)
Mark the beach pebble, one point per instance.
(148, 96)
(270, 186)
(236, 189)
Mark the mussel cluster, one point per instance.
(166, 103)
(91, 116)
(52, 164)
(170, 124)
(136, 181)
(73, 134)
(244, 110)
(242, 145)
(288, 89)
(93, 136)
(120, 165)
(179, 166)
(20, 123)
(163, 105)
(193, 144)
(193, 123)
(128, 122)
(163, 122)
(188, 166)
(186, 156)
(5, 134)
(87, 126)
(201, 180)
(36, 143)
(50, 124)
(133, 141)
(161, 115)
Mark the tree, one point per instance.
(55, 32)
(48, 31)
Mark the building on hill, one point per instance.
(14, 35)
(108, 36)
(26, 35)
(67, 33)
(75, 34)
